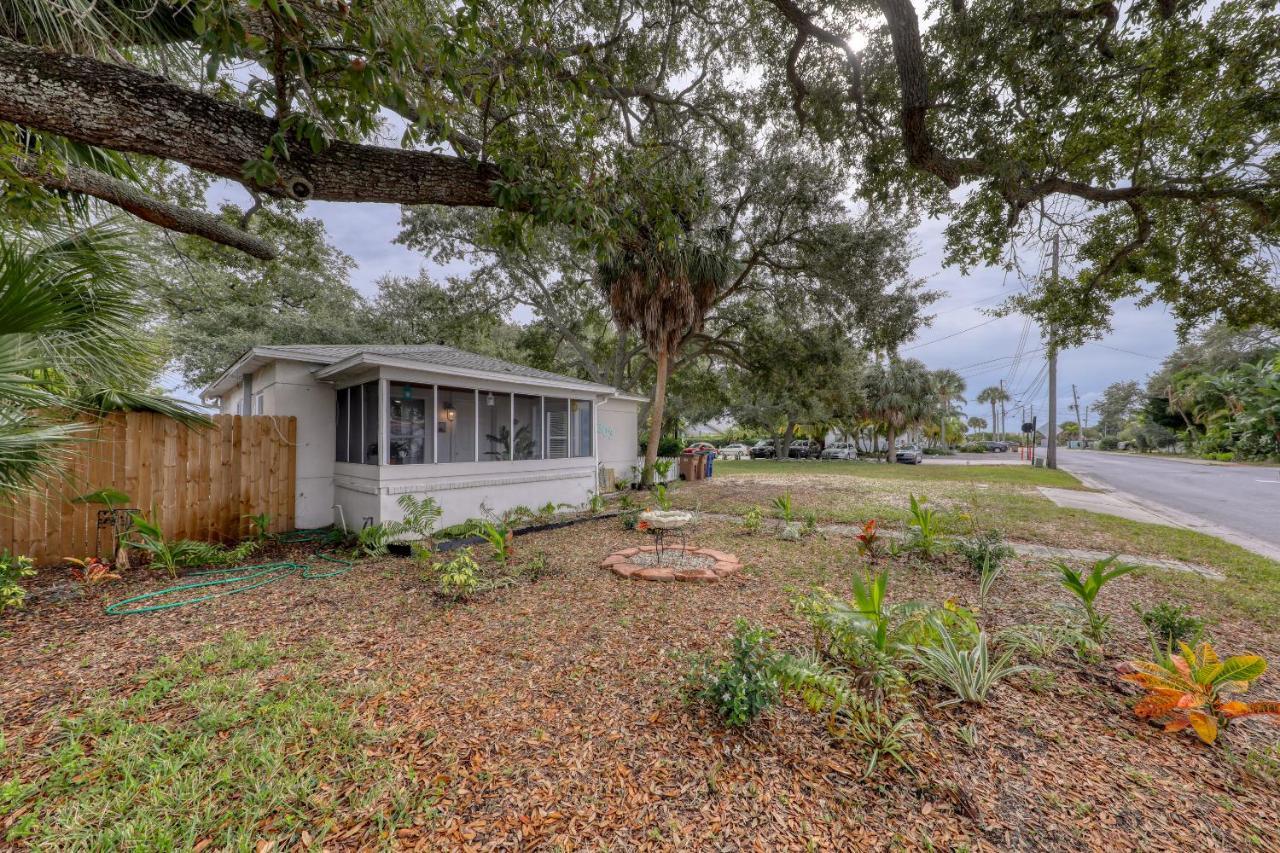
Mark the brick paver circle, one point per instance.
(721, 565)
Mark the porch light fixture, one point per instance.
(488, 401)
(449, 412)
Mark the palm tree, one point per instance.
(898, 396)
(665, 292)
(993, 394)
(949, 386)
(71, 343)
(977, 423)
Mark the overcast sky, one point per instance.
(962, 336)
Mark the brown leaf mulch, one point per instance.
(550, 716)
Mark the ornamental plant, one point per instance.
(743, 685)
(926, 529)
(499, 536)
(460, 577)
(1193, 689)
(869, 540)
(1085, 587)
(13, 569)
(91, 571)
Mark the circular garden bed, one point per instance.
(679, 563)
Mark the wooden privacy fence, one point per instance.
(196, 483)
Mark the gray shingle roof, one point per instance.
(428, 354)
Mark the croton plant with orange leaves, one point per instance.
(1193, 689)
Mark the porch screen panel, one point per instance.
(370, 423)
(495, 427)
(557, 428)
(528, 424)
(355, 425)
(408, 439)
(580, 414)
(342, 419)
(456, 425)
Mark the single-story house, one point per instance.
(377, 422)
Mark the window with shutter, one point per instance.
(557, 428)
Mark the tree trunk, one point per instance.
(942, 423)
(788, 434)
(993, 420)
(892, 437)
(128, 110)
(656, 409)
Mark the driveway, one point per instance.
(1240, 503)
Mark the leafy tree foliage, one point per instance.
(1147, 131)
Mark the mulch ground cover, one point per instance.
(549, 714)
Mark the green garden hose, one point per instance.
(249, 577)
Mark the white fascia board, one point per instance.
(463, 373)
(257, 357)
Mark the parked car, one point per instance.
(701, 447)
(840, 450)
(737, 450)
(804, 448)
(762, 449)
(911, 454)
(996, 446)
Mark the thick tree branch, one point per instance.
(124, 109)
(132, 199)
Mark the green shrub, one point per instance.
(459, 578)
(753, 520)
(1170, 624)
(499, 536)
(743, 685)
(985, 551)
(174, 554)
(783, 506)
(13, 569)
(1109, 443)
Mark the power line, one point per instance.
(1125, 351)
(952, 335)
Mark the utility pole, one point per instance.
(1079, 423)
(1051, 444)
(1003, 435)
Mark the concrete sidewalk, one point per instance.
(1109, 501)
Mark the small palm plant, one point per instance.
(926, 529)
(1085, 587)
(499, 537)
(782, 503)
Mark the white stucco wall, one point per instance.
(288, 388)
(372, 491)
(617, 435)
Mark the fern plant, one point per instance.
(1085, 587)
(374, 540)
(968, 673)
(420, 517)
(866, 724)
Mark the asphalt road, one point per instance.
(1242, 498)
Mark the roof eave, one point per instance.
(229, 377)
(373, 359)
